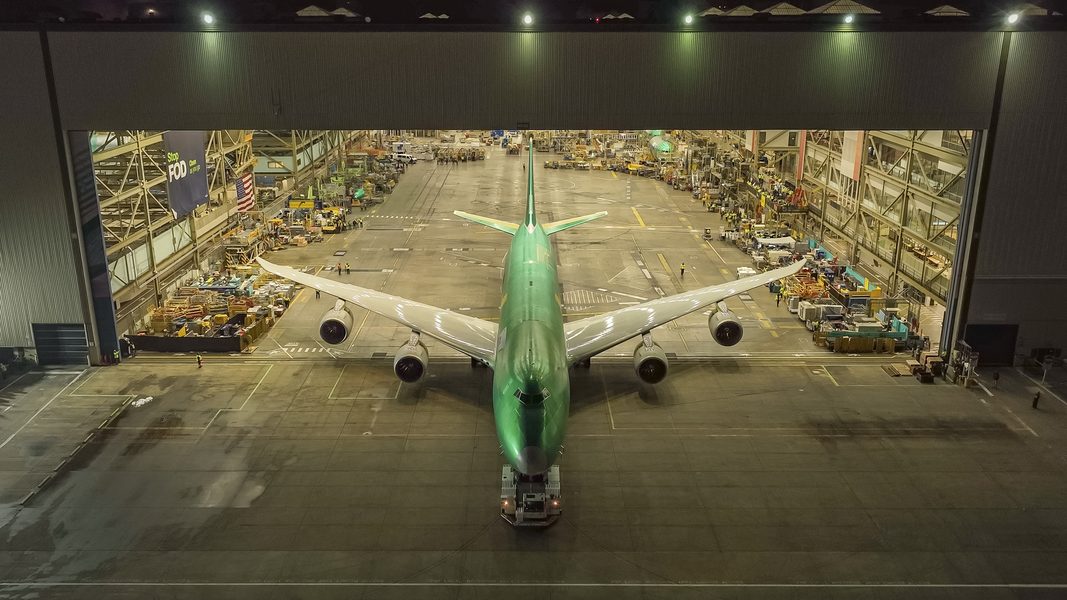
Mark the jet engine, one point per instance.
(410, 362)
(650, 362)
(724, 326)
(336, 324)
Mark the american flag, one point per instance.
(246, 193)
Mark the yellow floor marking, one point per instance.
(663, 261)
(774, 333)
(614, 174)
(638, 216)
(725, 273)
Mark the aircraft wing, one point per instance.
(471, 336)
(592, 335)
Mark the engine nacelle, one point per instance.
(336, 324)
(410, 362)
(726, 330)
(650, 363)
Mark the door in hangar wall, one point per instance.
(61, 344)
(995, 344)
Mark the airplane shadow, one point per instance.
(589, 387)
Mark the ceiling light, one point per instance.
(689, 19)
(527, 19)
(1013, 18)
(849, 18)
(208, 18)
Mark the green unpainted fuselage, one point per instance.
(531, 352)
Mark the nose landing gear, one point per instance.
(530, 500)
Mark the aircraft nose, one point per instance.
(532, 460)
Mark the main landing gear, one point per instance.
(530, 500)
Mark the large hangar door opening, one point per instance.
(877, 211)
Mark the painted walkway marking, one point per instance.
(637, 215)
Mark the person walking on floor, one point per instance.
(996, 379)
(348, 269)
(682, 271)
(1037, 397)
(115, 356)
(778, 300)
(316, 294)
(199, 361)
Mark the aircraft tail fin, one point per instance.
(558, 226)
(531, 211)
(506, 227)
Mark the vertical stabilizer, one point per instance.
(531, 213)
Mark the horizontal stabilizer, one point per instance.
(497, 224)
(558, 226)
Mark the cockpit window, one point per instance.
(531, 398)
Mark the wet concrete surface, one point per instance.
(331, 475)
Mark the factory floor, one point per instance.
(413, 246)
(287, 473)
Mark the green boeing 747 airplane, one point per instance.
(531, 349)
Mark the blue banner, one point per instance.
(186, 171)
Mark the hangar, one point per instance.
(932, 181)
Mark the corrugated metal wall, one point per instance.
(549, 80)
(1021, 270)
(120, 80)
(37, 259)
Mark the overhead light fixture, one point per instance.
(1013, 18)
(207, 18)
(151, 11)
(527, 19)
(849, 18)
(689, 19)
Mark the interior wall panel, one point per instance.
(1021, 268)
(835, 80)
(37, 261)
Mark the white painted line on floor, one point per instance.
(715, 251)
(40, 410)
(1021, 422)
(255, 388)
(334, 388)
(827, 371)
(1042, 386)
(986, 390)
(12, 382)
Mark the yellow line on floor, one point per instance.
(827, 371)
(725, 273)
(614, 175)
(774, 333)
(637, 215)
(663, 261)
